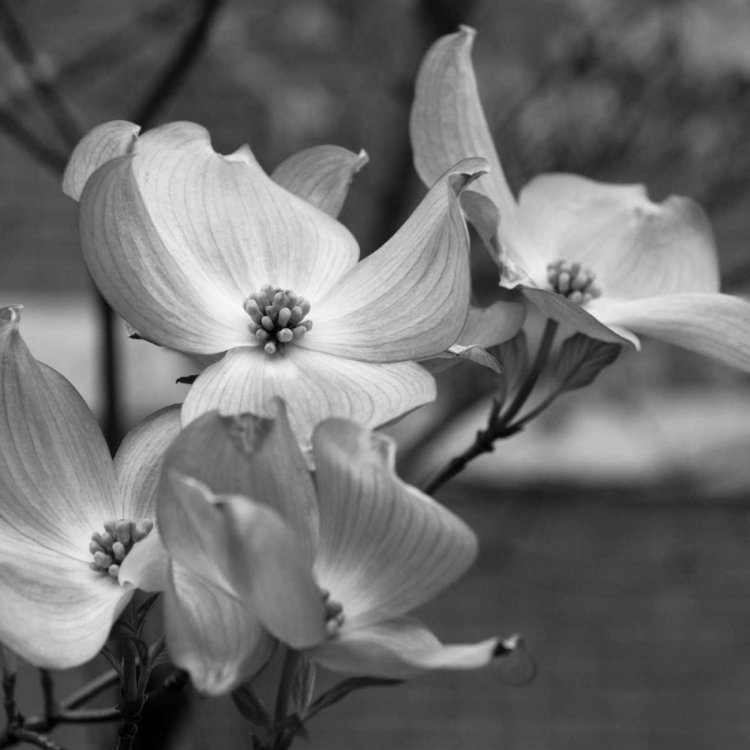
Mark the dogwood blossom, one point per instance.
(59, 584)
(603, 258)
(331, 567)
(207, 254)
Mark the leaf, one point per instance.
(142, 612)
(114, 661)
(513, 356)
(303, 684)
(251, 707)
(581, 359)
(342, 689)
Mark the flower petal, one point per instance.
(56, 612)
(320, 175)
(253, 456)
(103, 143)
(172, 301)
(557, 307)
(139, 458)
(716, 325)
(635, 247)
(57, 484)
(420, 277)
(494, 324)
(448, 124)
(247, 550)
(313, 385)
(211, 634)
(403, 647)
(385, 547)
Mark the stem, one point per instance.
(90, 690)
(48, 693)
(9, 697)
(32, 738)
(282, 739)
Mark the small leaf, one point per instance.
(342, 689)
(251, 707)
(142, 612)
(581, 360)
(114, 661)
(513, 356)
(303, 684)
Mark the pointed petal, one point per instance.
(56, 612)
(57, 484)
(448, 124)
(253, 456)
(170, 300)
(635, 247)
(103, 143)
(716, 325)
(403, 647)
(557, 307)
(211, 634)
(320, 175)
(139, 458)
(146, 566)
(313, 385)
(247, 550)
(420, 277)
(457, 353)
(385, 547)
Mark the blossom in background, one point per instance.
(331, 568)
(206, 254)
(603, 258)
(59, 587)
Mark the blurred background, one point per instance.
(615, 530)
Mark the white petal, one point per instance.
(313, 385)
(403, 647)
(448, 124)
(385, 547)
(57, 484)
(716, 325)
(635, 247)
(139, 458)
(211, 634)
(146, 566)
(409, 299)
(320, 175)
(56, 612)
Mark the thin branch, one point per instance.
(90, 690)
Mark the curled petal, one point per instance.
(492, 325)
(211, 634)
(146, 566)
(716, 325)
(246, 550)
(320, 175)
(55, 612)
(258, 457)
(385, 547)
(56, 479)
(403, 647)
(557, 307)
(635, 247)
(139, 458)
(448, 124)
(313, 385)
(420, 277)
(104, 143)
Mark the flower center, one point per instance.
(277, 317)
(333, 612)
(110, 548)
(574, 282)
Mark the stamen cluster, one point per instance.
(277, 317)
(333, 612)
(110, 548)
(573, 281)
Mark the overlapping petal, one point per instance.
(321, 175)
(403, 647)
(312, 384)
(409, 299)
(385, 547)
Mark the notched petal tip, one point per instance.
(462, 174)
(10, 317)
(514, 660)
(362, 445)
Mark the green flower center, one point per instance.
(333, 612)
(573, 281)
(110, 548)
(278, 317)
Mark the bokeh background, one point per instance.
(615, 530)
